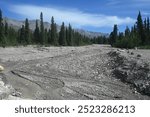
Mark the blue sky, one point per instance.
(92, 15)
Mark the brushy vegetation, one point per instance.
(137, 36)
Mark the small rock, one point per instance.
(1, 68)
(139, 55)
(16, 94)
(117, 96)
(135, 92)
(132, 53)
(135, 48)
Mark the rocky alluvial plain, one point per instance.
(91, 72)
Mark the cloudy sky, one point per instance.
(92, 15)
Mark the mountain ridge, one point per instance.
(16, 24)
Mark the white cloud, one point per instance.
(113, 2)
(146, 14)
(141, 0)
(75, 17)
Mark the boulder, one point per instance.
(1, 68)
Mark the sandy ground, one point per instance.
(63, 73)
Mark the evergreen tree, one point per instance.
(114, 35)
(6, 29)
(148, 25)
(140, 28)
(67, 36)
(12, 36)
(70, 43)
(77, 39)
(6, 34)
(148, 31)
(37, 34)
(49, 37)
(127, 32)
(22, 35)
(56, 35)
(62, 35)
(145, 24)
(1, 24)
(2, 31)
(53, 33)
(27, 32)
(45, 36)
(41, 29)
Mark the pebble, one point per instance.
(1, 68)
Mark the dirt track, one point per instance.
(61, 73)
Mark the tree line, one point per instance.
(138, 35)
(67, 36)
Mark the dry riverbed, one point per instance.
(90, 73)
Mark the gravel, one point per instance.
(69, 73)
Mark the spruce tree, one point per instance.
(27, 32)
(70, 35)
(6, 29)
(41, 29)
(67, 36)
(114, 35)
(127, 32)
(56, 35)
(45, 37)
(49, 37)
(2, 31)
(12, 36)
(148, 25)
(1, 23)
(140, 28)
(22, 36)
(62, 35)
(6, 32)
(53, 33)
(37, 33)
(148, 31)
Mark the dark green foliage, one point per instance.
(140, 29)
(27, 33)
(6, 29)
(70, 43)
(49, 40)
(144, 47)
(21, 39)
(67, 36)
(139, 35)
(12, 37)
(41, 29)
(24, 36)
(147, 28)
(54, 37)
(62, 35)
(77, 39)
(36, 39)
(45, 37)
(114, 35)
(99, 40)
(1, 16)
(2, 31)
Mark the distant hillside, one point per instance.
(91, 34)
(17, 25)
